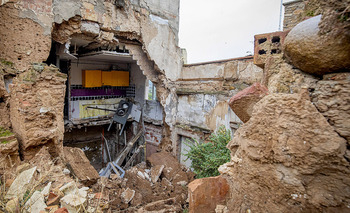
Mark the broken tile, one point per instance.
(53, 199)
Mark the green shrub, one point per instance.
(207, 157)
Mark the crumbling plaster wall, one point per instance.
(204, 90)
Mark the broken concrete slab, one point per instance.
(46, 190)
(156, 171)
(243, 102)
(128, 195)
(80, 165)
(21, 184)
(206, 193)
(36, 203)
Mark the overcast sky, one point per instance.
(222, 29)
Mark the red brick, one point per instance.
(265, 43)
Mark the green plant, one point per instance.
(207, 157)
(4, 132)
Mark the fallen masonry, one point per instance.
(42, 185)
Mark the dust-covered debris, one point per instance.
(42, 185)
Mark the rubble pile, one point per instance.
(52, 185)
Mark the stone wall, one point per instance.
(36, 109)
(293, 11)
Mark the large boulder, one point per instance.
(288, 158)
(316, 53)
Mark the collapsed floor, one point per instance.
(159, 186)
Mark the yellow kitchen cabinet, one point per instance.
(92, 78)
(107, 78)
(120, 78)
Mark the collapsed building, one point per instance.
(109, 78)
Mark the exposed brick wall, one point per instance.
(153, 137)
(293, 13)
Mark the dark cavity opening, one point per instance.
(2, 100)
(276, 39)
(262, 40)
(262, 52)
(275, 51)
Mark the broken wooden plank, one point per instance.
(127, 165)
(128, 148)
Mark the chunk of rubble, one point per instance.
(73, 202)
(171, 166)
(53, 199)
(243, 102)
(156, 171)
(8, 152)
(21, 184)
(75, 198)
(80, 165)
(128, 195)
(206, 193)
(36, 203)
(46, 190)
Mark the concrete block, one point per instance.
(243, 102)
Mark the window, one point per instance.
(150, 91)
